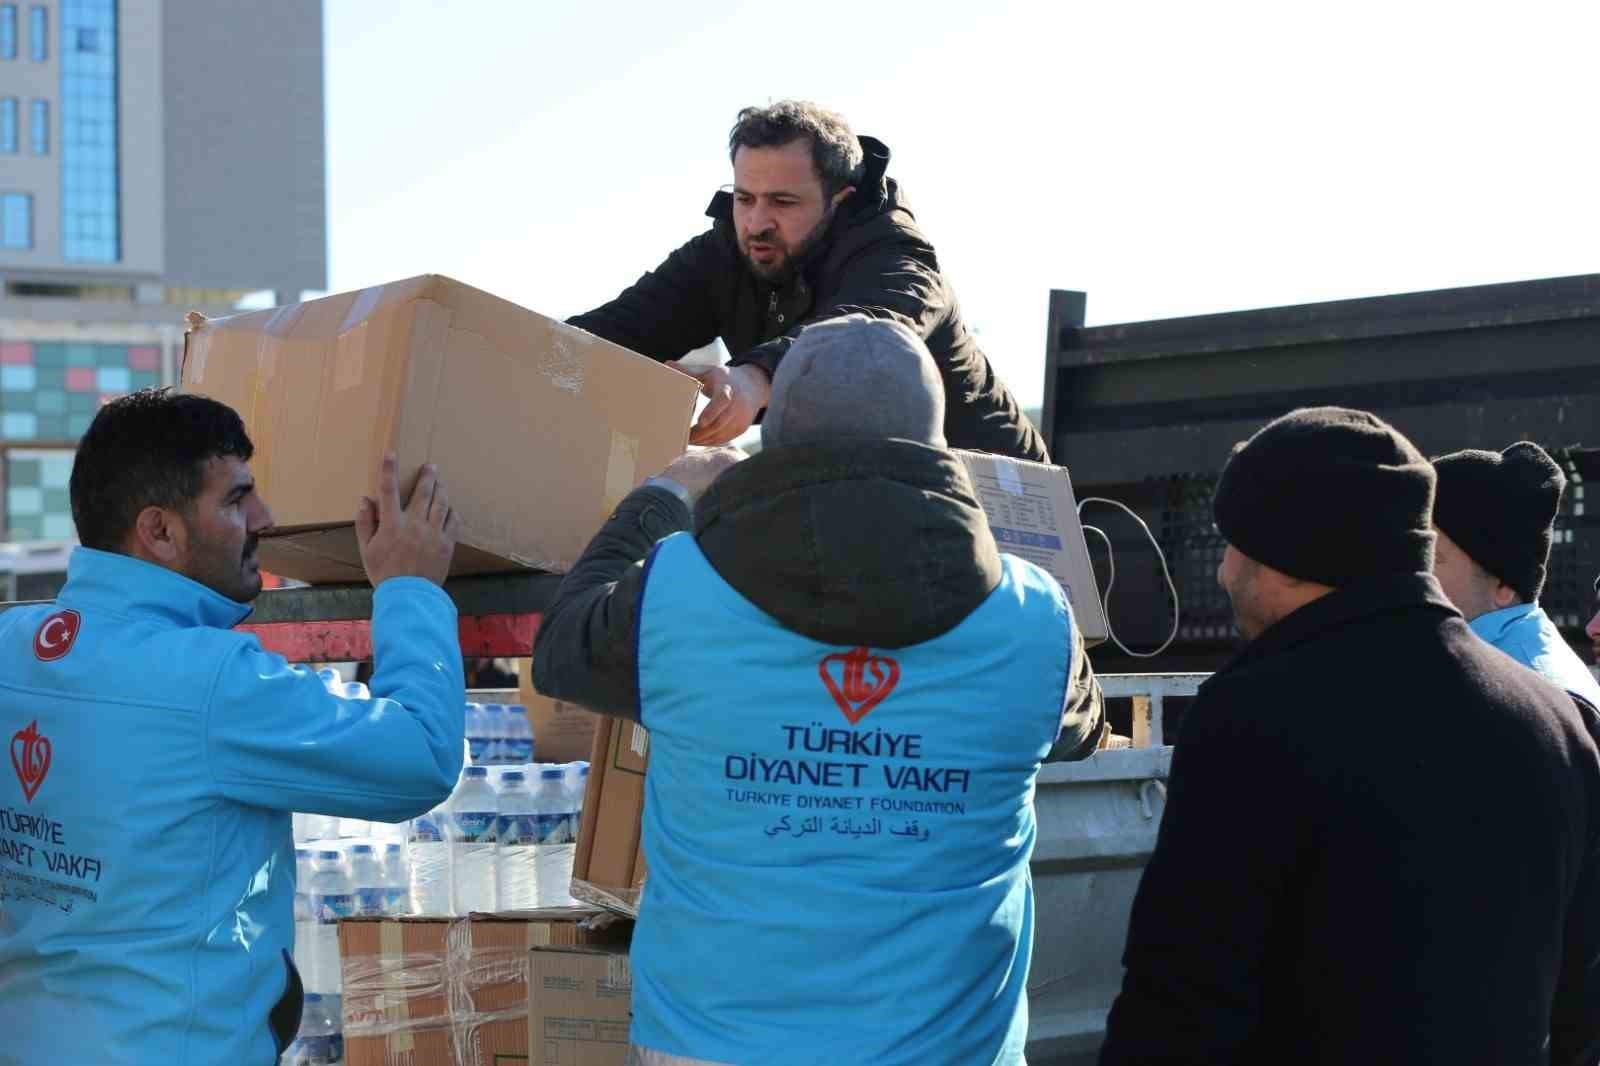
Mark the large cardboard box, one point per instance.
(608, 869)
(427, 991)
(562, 732)
(537, 428)
(1033, 514)
(579, 1007)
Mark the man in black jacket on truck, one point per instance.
(1380, 844)
(812, 229)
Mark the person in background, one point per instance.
(146, 857)
(812, 229)
(1592, 630)
(1380, 840)
(485, 673)
(1494, 513)
(849, 691)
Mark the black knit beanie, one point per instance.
(1330, 495)
(1500, 507)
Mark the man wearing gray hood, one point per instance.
(849, 691)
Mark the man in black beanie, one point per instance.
(1380, 838)
(1494, 513)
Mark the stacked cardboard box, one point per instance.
(608, 869)
(579, 1010)
(456, 992)
(563, 732)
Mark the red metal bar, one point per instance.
(487, 636)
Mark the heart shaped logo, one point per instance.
(854, 692)
(30, 757)
(56, 635)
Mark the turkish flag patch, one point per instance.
(56, 636)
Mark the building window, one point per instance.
(8, 31)
(91, 222)
(39, 127)
(8, 125)
(16, 221)
(38, 34)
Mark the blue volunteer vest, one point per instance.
(1526, 633)
(838, 838)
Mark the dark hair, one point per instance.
(147, 450)
(835, 153)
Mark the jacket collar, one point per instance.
(1495, 624)
(132, 588)
(794, 467)
(1343, 606)
(878, 542)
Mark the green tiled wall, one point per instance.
(49, 393)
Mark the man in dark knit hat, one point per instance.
(1380, 838)
(849, 691)
(1494, 513)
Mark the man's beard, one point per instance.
(780, 274)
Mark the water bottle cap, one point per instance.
(517, 708)
(513, 775)
(362, 849)
(555, 773)
(394, 847)
(313, 997)
(476, 771)
(493, 707)
(302, 853)
(583, 770)
(333, 855)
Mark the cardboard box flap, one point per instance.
(1033, 514)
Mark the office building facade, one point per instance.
(156, 157)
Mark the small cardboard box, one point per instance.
(420, 991)
(562, 732)
(579, 1007)
(538, 428)
(608, 869)
(1033, 514)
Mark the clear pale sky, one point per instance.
(1169, 159)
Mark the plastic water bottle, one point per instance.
(474, 810)
(333, 897)
(519, 735)
(302, 885)
(366, 873)
(320, 1041)
(332, 893)
(516, 834)
(577, 783)
(477, 723)
(429, 846)
(494, 734)
(553, 827)
(396, 881)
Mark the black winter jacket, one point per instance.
(873, 260)
(880, 543)
(1380, 846)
